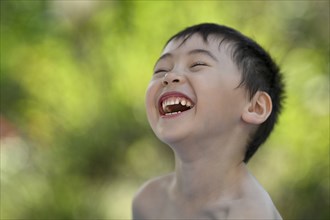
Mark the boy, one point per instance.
(214, 98)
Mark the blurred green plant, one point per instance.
(75, 142)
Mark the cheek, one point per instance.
(222, 102)
(150, 99)
(234, 103)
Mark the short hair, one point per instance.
(259, 73)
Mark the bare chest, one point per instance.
(166, 209)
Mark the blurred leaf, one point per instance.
(73, 80)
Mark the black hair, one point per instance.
(259, 73)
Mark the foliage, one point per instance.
(75, 142)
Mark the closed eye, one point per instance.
(160, 71)
(198, 64)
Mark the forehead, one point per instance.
(193, 42)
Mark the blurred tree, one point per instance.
(73, 77)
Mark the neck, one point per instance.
(207, 172)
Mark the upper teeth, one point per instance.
(175, 101)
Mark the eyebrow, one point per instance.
(191, 52)
(202, 51)
(164, 56)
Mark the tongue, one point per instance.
(176, 108)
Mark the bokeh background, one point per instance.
(75, 142)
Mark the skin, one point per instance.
(210, 180)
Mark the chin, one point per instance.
(172, 137)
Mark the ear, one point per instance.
(258, 109)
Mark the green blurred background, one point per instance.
(75, 142)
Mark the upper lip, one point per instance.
(167, 95)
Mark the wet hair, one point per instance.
(259, 72)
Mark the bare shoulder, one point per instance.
(252, 208)
(243, 209)
(253, 202)
(151, 195)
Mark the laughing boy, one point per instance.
(214, 98)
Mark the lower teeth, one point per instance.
(173, 113)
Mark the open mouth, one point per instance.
(174, 104)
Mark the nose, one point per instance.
(171, 77)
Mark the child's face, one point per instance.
(203, 79)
